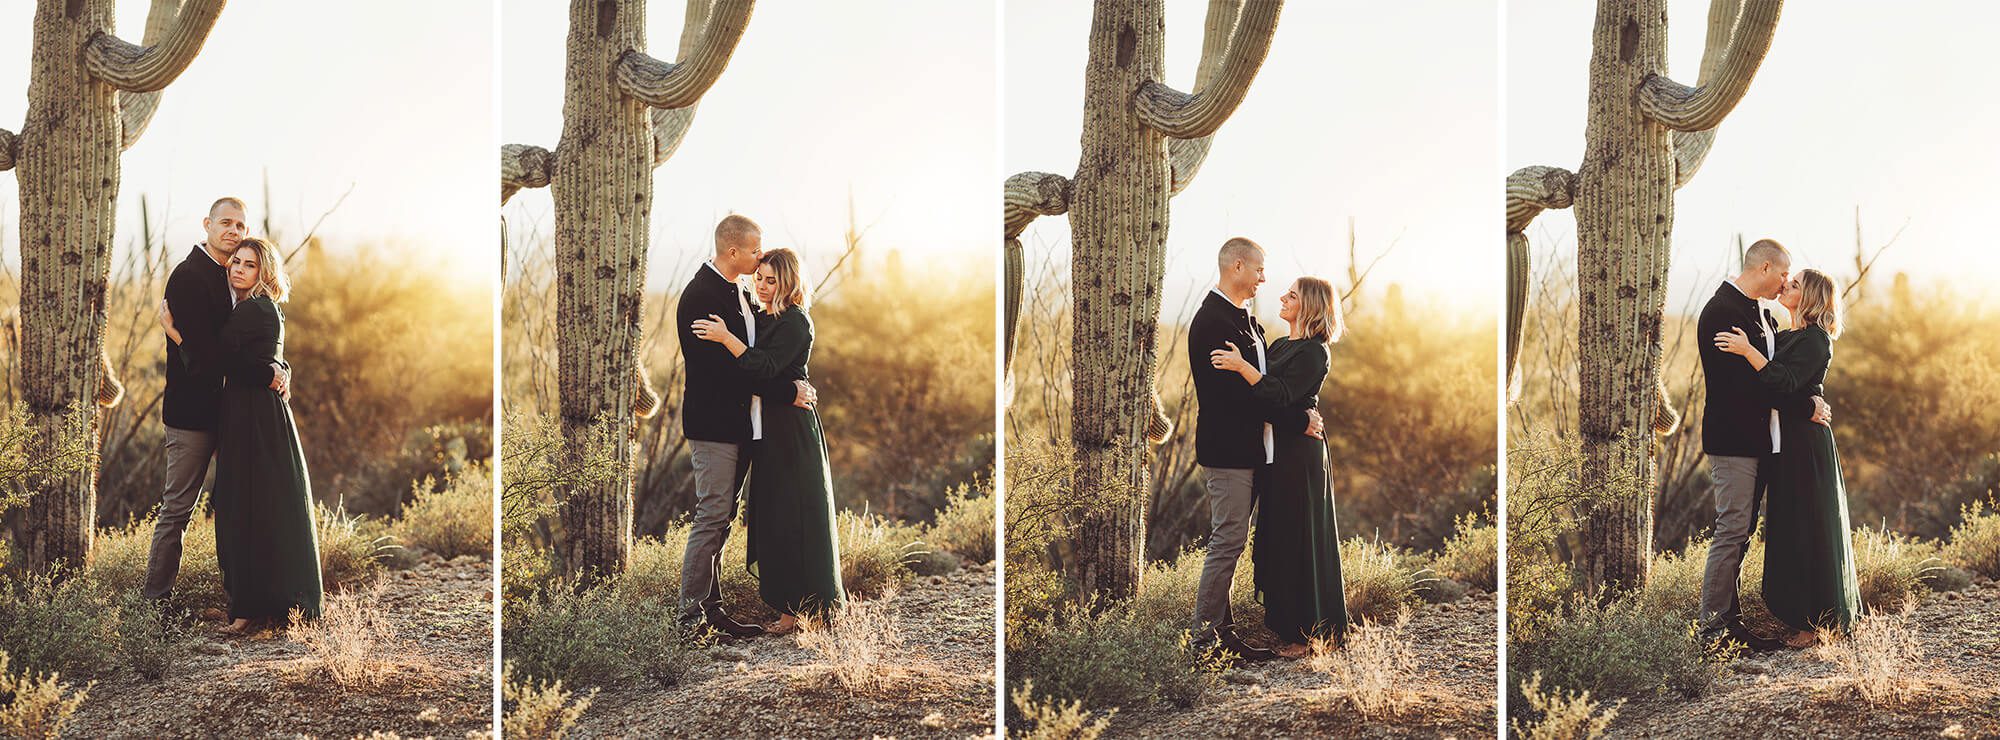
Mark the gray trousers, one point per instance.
(718, 476)
(1734, 482)
(188, 453)
(1230, 500)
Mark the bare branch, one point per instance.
(1684, 108)
(524, 166)
(1183, 116)
(133, 68)
(678, 85)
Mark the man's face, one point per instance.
(742, 257)
(225, 226)
(1776, 274)
(1247, 273)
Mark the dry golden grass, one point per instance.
(1562, 716)
(36, 706)
(1880, 660)
(853, 641)
(348, 640)
(1052, 719)
(539, 710)
(1375, 669)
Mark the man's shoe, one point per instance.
(1225, 639)
(719, 621)
(1741, 638)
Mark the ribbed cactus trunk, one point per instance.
(603, 191)
(1118, 219)
(68, 173)
(90, 96)
(1624, 221)
(1646, 136)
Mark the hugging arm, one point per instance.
(241, 365)
(775, 351)
(187, 309)
(1793, 371)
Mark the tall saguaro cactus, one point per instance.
(90, 96)
(624, 113)
(1646, 137)
(1142, 144)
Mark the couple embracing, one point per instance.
(748, 414)
(228, 400)
(1260, 443)
(1766, 432)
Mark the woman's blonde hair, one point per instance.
(1819, 303)
(792, 288)
(271, 278)
(1319, 310)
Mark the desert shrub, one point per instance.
(1975, 542)
(1619, 650)
(1879, 659)
(533, 709)
(874, 554)
(927, 562)
(1560, 715)
(1472, 554)
(1048, 719)
(964, 527)
(1675, 586)
(349, 554)
(453, 519)
(1892, 569)
(151, 637)
(1167, 591)
(1107, 658)
(854, 640)
(53, 623)
(35, 706)
(118, 562)
(1374, 667)
(595, 637)
(1377, 587)
(345, 641)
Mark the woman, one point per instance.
(265, 536)
(793, 549)
(1809, 580)
(1296, 551)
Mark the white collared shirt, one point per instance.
(1270, 438)
(1770, 352)
(750, 330)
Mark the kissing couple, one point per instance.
(228, 400)
(1261, 446)
(1767, 433)
(749, 418)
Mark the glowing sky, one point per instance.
(391, 98)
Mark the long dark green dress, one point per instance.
(1296, 552)
(793, 549)
(264, 533)
(1809, 577)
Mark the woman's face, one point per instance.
(767, 284)
(1788, 296)
(1288, 304)
(243, 269)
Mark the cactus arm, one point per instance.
(678, 85)
(1184, 116)
(9, 144)
(1691, 147)
(130, 67)
(1186, 155)
(135, 109)
(670, 125)
(1530, 190)
(524, 166)
(1684, 108)
(1028, 195)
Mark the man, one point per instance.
(1739, 429)
(199, 298)
(1233, 436)
(720, 417)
